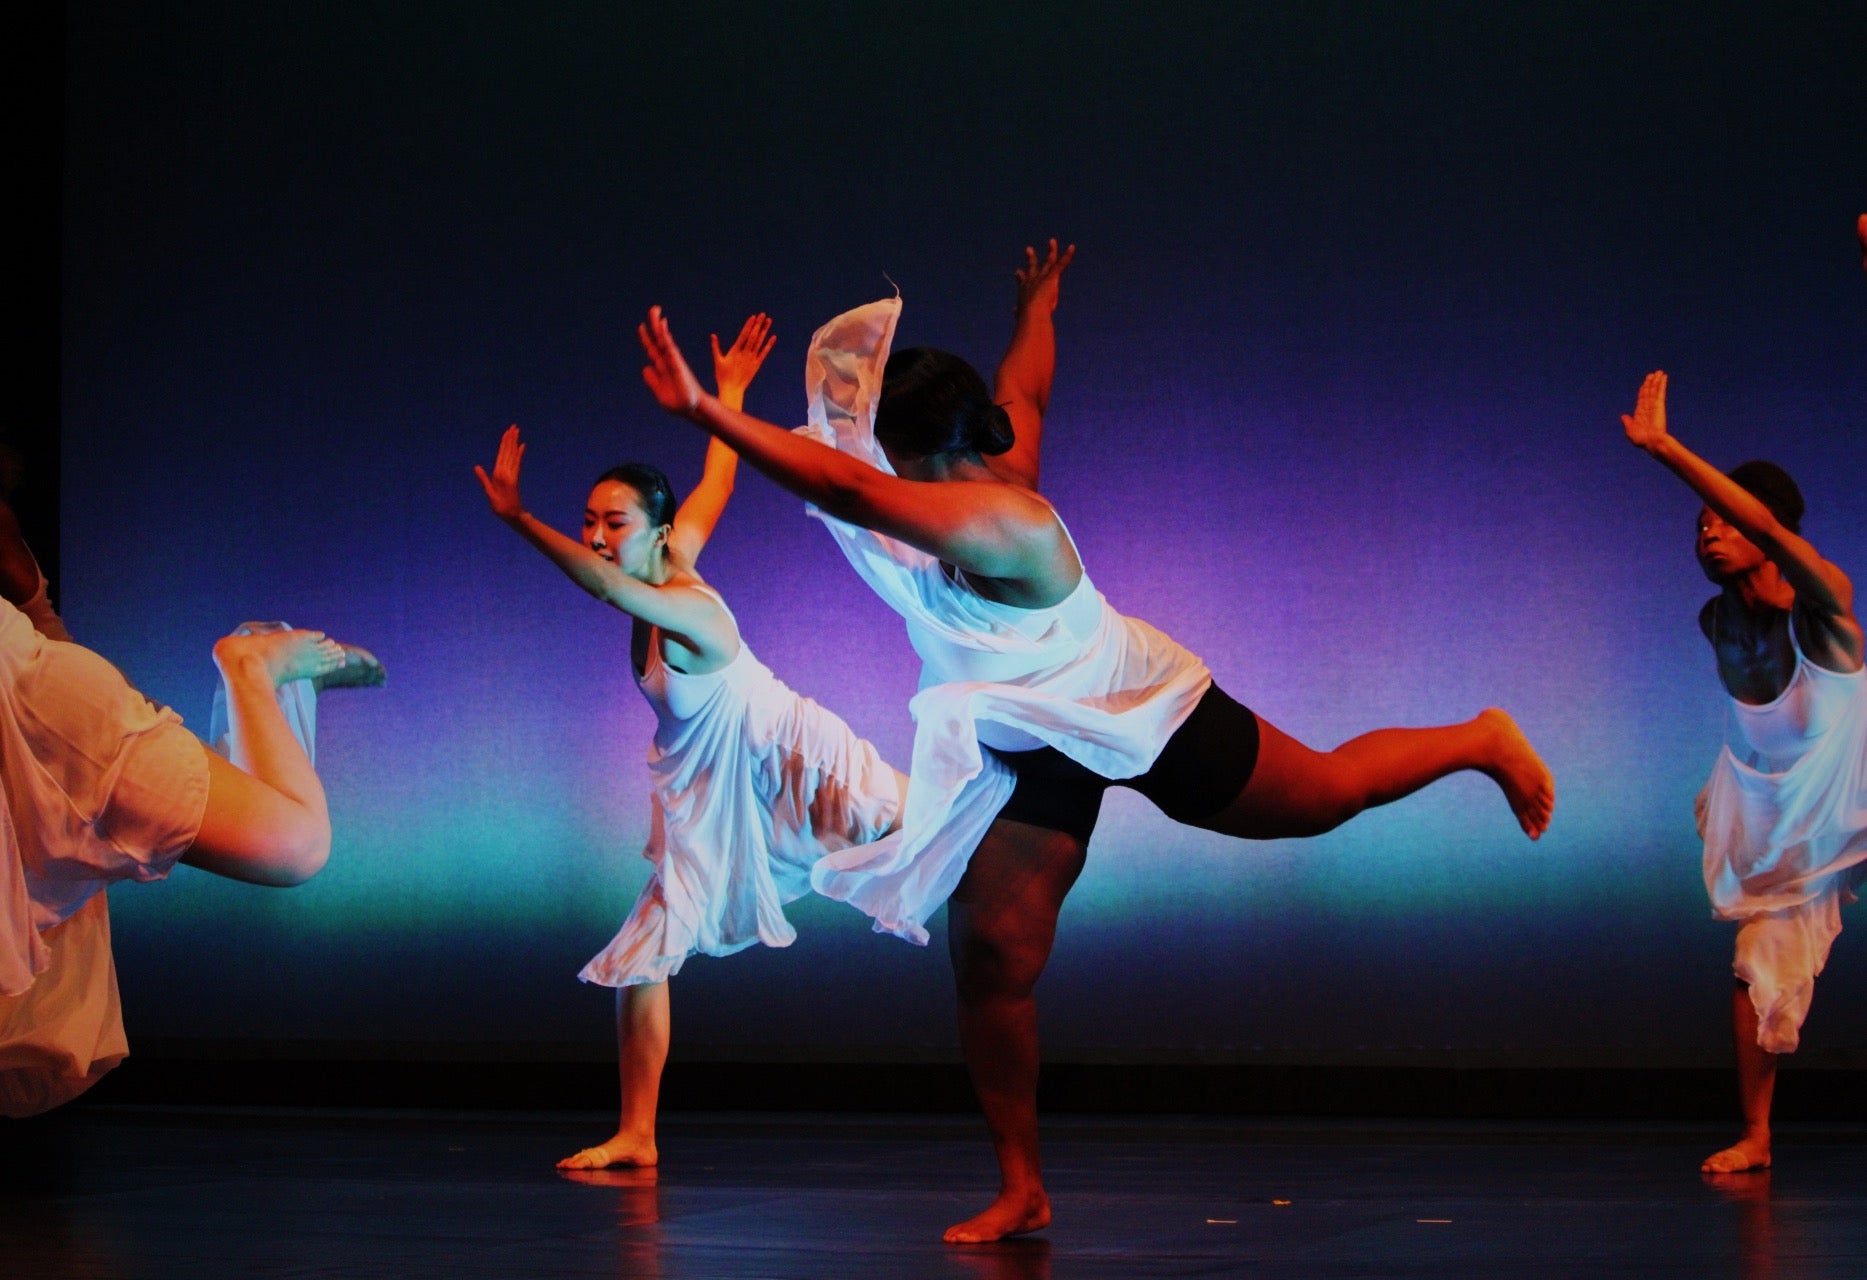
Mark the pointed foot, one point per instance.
(1520, 773)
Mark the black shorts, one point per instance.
(1200, 771)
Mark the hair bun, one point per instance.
(991, 430)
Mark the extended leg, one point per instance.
(642, 1029)
(1756, 1089)
(1001, 922)
(1295, 791)
(266, 819)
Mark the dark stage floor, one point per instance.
(131, 1191)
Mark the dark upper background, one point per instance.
(1361, 292)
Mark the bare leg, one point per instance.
(1756, 1089)
(642, 1028)
(1295, 791)
(266, 819)
(1001, 922)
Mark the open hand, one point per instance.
(1038, 281)
(734, 369)
(667, 375)
(1646, 426)
(502, 487)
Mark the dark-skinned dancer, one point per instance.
(1036, 696)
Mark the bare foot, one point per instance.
(1516, 767)
(361, 670)
(285, 656)
(1010, 1215)
(624, 1149)
(1746, 1153)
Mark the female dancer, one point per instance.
(752, 783)
(102, 785)
(931, 488)
(1784, 815)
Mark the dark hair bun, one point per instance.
(991, 430)
(1772, 486)
(933, 402)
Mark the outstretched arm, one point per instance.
(1030, 363)
(1819, 585)
(733, 371)
(992, 530)
(693, 615)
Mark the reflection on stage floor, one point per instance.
(154, 1192)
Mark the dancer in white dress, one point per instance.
(103, 785)
(931, 487)
(752, 783)
(1784, 814)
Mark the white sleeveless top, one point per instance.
(1785, 808)
(1105, 690)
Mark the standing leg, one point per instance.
(1001, 922)
(266, 819)
(1295, 791)
(642, 1030)
(1756, 1089)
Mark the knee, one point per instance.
(302, 852)
(1337, 794)
(998, 959)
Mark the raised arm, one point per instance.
(693, 615)
(733, 371)
(1030, 363)
(1819, 585)
(993, 530)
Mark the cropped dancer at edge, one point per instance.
(752, 783)
(929, 482)
(102, 785)
(1784, 814)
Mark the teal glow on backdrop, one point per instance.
(1356, 309)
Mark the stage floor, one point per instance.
(154, 1192)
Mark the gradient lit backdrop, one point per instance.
(1361, 292)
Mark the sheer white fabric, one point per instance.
(752, 784)
(1105, 690)
(1784, 819)
(100, 785)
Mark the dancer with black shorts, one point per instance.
(929, 481)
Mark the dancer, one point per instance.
(930, 487)
(103, 785)
(752, 783)
(1784, 814)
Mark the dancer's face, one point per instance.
(616, 527)
(1723, 552)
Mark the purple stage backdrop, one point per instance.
(1361, 293)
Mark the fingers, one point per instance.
(1052, 265)
(719, 357)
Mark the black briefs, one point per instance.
(1200, 771)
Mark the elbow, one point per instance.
(842, 497)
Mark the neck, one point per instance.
(1762, 588)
